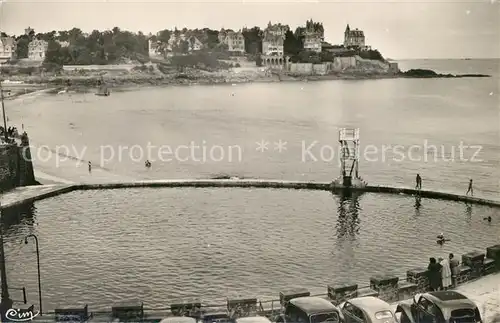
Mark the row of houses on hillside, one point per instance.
(234, 41)
(272, 42)
(37, 49)
(176, 44)
(274, 38)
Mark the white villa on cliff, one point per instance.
(175, 43)
(8, 48)
(37, 49)
(354, 37)
(155, 48)
(313, 39)
(233, 39)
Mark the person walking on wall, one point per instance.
(419, 182)
(434, 274)
(454, 263)
(470, 189)
(445, 273)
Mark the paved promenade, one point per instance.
(486, 293)
(28, 194)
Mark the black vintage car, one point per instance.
(439, 307)
(310, 310)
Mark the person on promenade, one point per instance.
(434, 274)
(90, 167)
(454, 263)
(419, 182)
(470, 189)
(445, 273)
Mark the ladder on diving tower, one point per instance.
(349, 158)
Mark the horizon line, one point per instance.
(443, 58)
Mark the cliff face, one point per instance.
(16, 167)
(371, 66)
(367, 66)
(346, 65)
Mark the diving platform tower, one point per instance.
(349, 159)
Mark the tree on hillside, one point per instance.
(56, 54)
(258, 60)
(164, 36)
(370, 54)
(327, 56)
(212, 38)
(309, 57)
(300, 35)
(292, 45)
(205, 60)
(75, 35)
(2, 34)
(63, 35)
(31, 35)
(184, 46)
(46, 36)
(253, 40)
(106, 47)
(192, 42)
(22, 46)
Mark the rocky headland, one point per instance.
(425, 73)
(159, 74)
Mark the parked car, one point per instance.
(178, 319)
(367, 309)
(439, 307)
(310, 310)
(253, 319)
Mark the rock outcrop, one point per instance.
(424, 73)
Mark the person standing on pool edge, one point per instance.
(454, 264)
(434, 274)
(470, 189)
(419, 182)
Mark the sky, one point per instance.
(399, 29)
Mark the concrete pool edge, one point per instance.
(41, 192)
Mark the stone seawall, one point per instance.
(46, 191)
(16, 167)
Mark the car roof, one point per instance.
(313, 305)
(370, 304)
(178, 319)
(253, 319)
(450, 299)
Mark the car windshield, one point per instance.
(464, 316)
(325, 317)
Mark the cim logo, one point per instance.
(20, 315)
